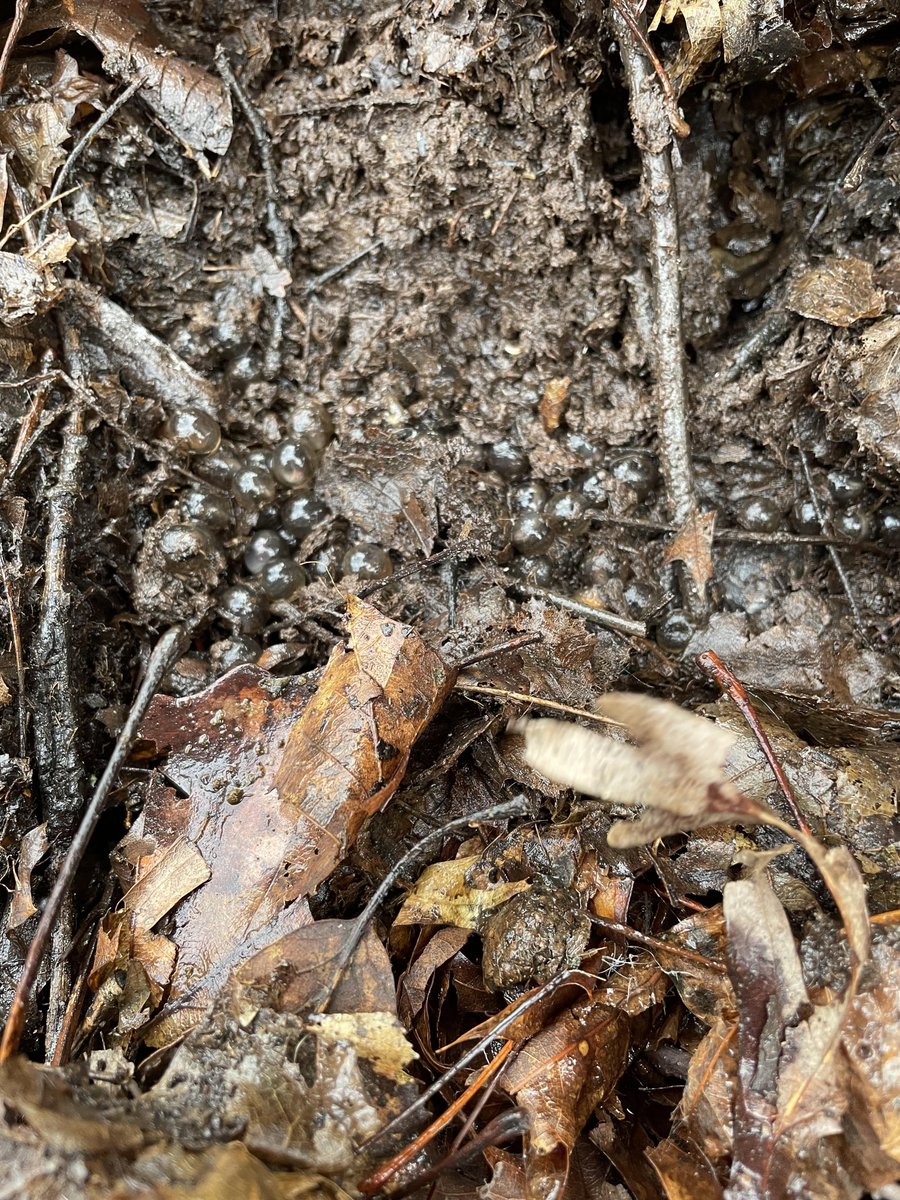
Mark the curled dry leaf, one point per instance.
(32, 848)
(675, 772)
(278, 778)
(190, 102)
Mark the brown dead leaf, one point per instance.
(443, 896)
(190, 102)
(692, 545)
(839, 291)
(279, 779)
(376, 1037)
(32, 848)
(27, 284)
(553, 403)
(559, 1077)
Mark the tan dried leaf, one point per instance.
(676, 771)
(377, 1038)
(554, 402)
(32, 848)
(838, 291)
(692, 545)
(442, 896)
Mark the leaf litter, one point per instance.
(355, 938)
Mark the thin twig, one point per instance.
(482, 689)
(741, 535)
(333, 272)
(508, 808)
(526, 1003)
(626, 933)
(653, 135)
(590, 612)
(278, 228)
(413, 568)
(832, 550)
(514, 643)
(712, 665)
(159, 663)
(12, 37)
(386, 1172)
(638, 31)
(17, 651)
(80, 146)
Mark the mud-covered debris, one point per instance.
(534, 935)
(28, 285)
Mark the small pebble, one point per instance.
(262, 547)
(852, 525)
(243, 608)
(367, 561)
(193, 431)
(253, 487)
(568, 511)
(282, 578)
(759, 514)
(675, 631)
(292, 464)
(531, 534)
(639, 472)
(506, 459)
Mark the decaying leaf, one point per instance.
(190, 102)
(553, 402)
(443, 896)
(32, 848)
(692, 545)
(755, 36)
(376, 1037)
(278, 779)
(839, 291)
(27, 285)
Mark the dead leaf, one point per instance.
(443, 896)
(839, 291)
(27, 285)
(554, 402)
(279, 779)
(559, 1077)
(692, 545)
(191, 103)
(32, 848)
(376, 1037)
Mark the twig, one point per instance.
(278, 229)
(741, 535)
(508, 808)
(654, 137)
(482, 689)
(832, 551)
(17, 651)
(515, 643)
(480, 1046)
(386, 1172)
(78, 149)
(638, 31)
(413, 568)
(590, 612)
(333, 272)
(626, 933)
(712, 665)
(12, 37)
(157, 666)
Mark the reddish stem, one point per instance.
(710, 663)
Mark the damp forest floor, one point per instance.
(430, 433)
